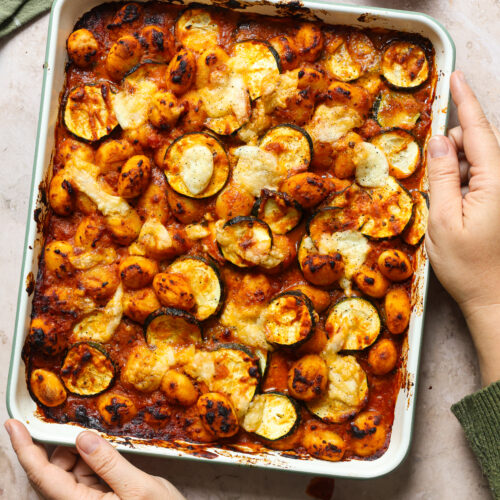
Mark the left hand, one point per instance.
(72, 474)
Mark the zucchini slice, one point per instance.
(259, 65)
(196, 165)
(372, 167)
(401, 150)
(272, 416)
(396, 109)
(171, 326)
(404, 65)
(389, 210)
(352, 324)
(132, 102)
(291, 144)
(237, 374)
(278, 210)
(328, 220)
(87, 369)
(415, 232)
(290, 319)
(342, 65)
(197, 29)
(205, 282)
(379, 212)
(346, 393)
(88, 113)
(245, 241)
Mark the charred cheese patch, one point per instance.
(101, 325)
(372, 168)
(329, 124)
(347, 390)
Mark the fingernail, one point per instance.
(8, 427)
(460, 75)
(438, 146)
(88, 442)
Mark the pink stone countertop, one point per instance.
(440, 465)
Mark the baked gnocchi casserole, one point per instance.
(234, 213)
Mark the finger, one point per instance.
(50, 480)
(107, 463)
(496, 132)
(479, 141)
(456, 136)
(127, 481)
(464, 169)
(64, 457)
(85, 475)
(444, 183)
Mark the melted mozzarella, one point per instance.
(131, 104)
(257, 169)
(353, 247)
(82, 175)
(329, 124)
(87, 260)
(197, 168)
(372, 167)
(246, 323)
(101, 325)
(154, 237)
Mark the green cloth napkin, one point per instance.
(16, 13)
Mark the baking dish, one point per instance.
(20, 406)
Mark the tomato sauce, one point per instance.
(157, 419)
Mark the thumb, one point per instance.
(444, 183)
(122, 477)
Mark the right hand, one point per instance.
(463, 237)
(94, 471)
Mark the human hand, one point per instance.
(76, 473)
(463, 236)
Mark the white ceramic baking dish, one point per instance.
(63, 17)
